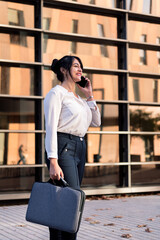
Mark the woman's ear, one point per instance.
(63, 70)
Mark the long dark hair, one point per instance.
(66, 63)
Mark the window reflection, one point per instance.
(148, 64)
(46, 26)
(17, 14)
(129, 4)
(143, 53)
(136, 89)
(81, 23)
(144, 118)
(97, 176)
(102, 34)
(144, 6)
(145, 175)
(145, 148)
(158, 53)
(105, 87)
(74, 30)
(17, 148)
(144, 89)
(49, 80)
(102, 3)
(102, 148)
(18, 47)
(17, 81)
(17, 114)
(16, 179)
(147, 6)
(142, 32)
(89, 53)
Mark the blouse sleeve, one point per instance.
(52, 108)
(96, 117)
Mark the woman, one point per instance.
(67, 119)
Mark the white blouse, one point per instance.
(68, 114)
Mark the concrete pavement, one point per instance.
(135, 218)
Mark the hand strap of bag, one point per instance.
(60, 183)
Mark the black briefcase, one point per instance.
(58, 207)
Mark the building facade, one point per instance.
(118, 42)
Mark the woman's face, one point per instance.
(76, 70)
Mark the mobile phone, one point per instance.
(83, 82)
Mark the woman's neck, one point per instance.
(70, 86)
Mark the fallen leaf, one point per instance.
(148, 230)
(94, 215)
(108, 208)
(127, 229)
(100, 209)
(118, 217)
(21, 225)
(88, 219)
(158, 216)
(109, 224)
(126, 235)
(94, 222)
(143, 225)
(150, 219)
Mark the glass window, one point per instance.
(155, 90)
(147, 6)
(144, 89)
(46, 26)
(105, 87)
(145, 175)
(49, 81)
(143, 54)
(158, 53)
(17, 148)
(16, 179)
(78, 23)
(145, 148)
(74, 30)
(17, 14)
(136, 89)
(129, 4)
(15, 17)
(97, 176)
(19, 47)
(102, 148)
(148, 64)
(17, 81)
(142, 32)
(17, 114)
(102, 34)
(92, 2)
(109, 118)
(144, 118)
(101, 3)
(90, 54)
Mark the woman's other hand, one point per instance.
(55, 171)
(87, 90)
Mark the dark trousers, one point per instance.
(71, 158)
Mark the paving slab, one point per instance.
(135, 218)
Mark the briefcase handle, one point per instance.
(61, 182)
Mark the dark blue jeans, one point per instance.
(71, 158)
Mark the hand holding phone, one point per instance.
(83, 82)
